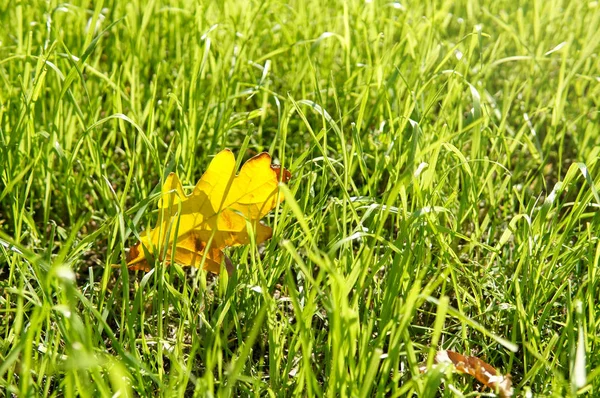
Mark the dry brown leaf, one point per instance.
(479, 369)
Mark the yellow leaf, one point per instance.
(215, 215)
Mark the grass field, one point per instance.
(444, 195)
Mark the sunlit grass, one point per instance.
(444, 195)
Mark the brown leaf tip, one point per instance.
(286, 174)
(134, 252)
(276, 168)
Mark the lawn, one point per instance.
(444, 195)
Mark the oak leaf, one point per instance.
(193, 229)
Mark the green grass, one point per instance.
(444, 195)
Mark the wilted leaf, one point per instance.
(479, 369)
(215, 215)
